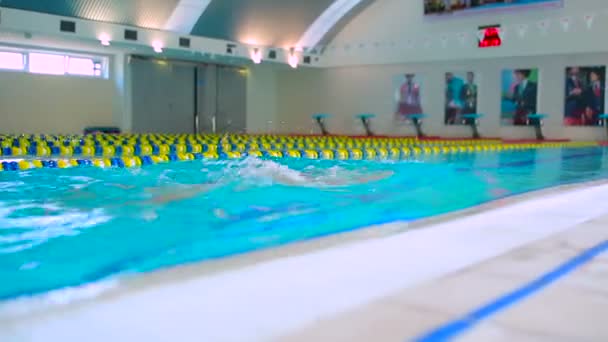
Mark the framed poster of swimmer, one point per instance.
(519, 96)
(460, 96)
(463, 7)
(585, 95)
(407, 95)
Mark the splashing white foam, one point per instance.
(268, 170)
(29, 266)
(14, 186)
(35, 230)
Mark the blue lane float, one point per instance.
(28, 152)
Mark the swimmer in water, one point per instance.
(162, 195)
(121, 186)
(304, 179)
(264, 214)
(84, 199)
(167, 194)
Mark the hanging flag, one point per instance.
(543, 26)
(502, 32)
(589, 18)
(444, 40)
(565, 22)
(522, 29)
(462, 37)
(427, 42)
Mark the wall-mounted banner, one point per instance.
(462, 37)
(589, 18)
(502, 32)
(407, 95)
(543, 26)
(585, 95)
(444, 40)
(519, 96)
(462, 7)
(460, 96)
(522, 29)
(427, 42)
(565, 22)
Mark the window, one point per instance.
(97, 69)
(82, 66)
(42, 63)
(53, 63)
(12, 60)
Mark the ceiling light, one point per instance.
(158, 46)
(256, 56)
(104, 38)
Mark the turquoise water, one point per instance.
(64, 228)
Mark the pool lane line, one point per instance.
(461, 325)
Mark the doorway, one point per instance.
(181, 97)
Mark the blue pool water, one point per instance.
(63, 228)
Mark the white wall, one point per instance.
(399, 21)
(360, 80)
(301, 93)
(347, 91)
(122, 98)
(262, 99)
(32, 103)
(81, 102)
(362, 83)
(43, 29)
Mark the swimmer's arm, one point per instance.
(121, 186)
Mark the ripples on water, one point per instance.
(69, 227)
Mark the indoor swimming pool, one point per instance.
(62, 228)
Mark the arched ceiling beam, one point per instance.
(186, 15)
(326, 21)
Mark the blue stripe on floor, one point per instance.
(461, 325)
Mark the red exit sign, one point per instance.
(489, 36)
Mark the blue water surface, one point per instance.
(64, 228)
